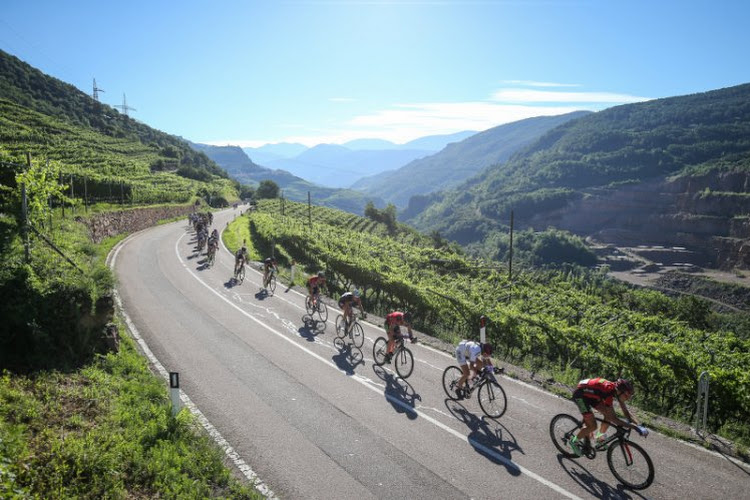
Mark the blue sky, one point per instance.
(255, 72)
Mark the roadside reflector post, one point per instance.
(701, 411)
(482, 329)
(174, 392)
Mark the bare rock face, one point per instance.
(709, 215)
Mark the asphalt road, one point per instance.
(315, 420)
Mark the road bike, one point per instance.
(629, 463)
(491, 395)
(269, 282)
(354, 330)
(402, 357)
(239, 274)
(319, 307)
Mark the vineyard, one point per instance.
(95, 166)
(572, 322)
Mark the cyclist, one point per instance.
(240, 258)
(268, 264)
(346, 301)
(314, 283)
(393, 322)
(213, 242)
(470, 356)
(599, 394)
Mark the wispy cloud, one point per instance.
(404, 122)
(528, 96)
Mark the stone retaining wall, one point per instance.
(109, 224)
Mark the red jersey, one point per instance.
(597, 389)
(394, 317)
(313, 281)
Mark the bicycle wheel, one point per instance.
(272, 284)
(492, 399)
(379, 350)
(340, 326)
(630, 464)
(450, 379)
(322, 311)
(561, 429)
(357, 334)
(404, 361)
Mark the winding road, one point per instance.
(305, 418)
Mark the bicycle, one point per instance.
(629, 463)
(239, 274)
(354, 330)
(270, 282)
(319, 307)
(491, 395)
(402, 356)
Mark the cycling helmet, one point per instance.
(487, 349)
(407, 317)
(321, 274)
(356, 293)
(624, 385)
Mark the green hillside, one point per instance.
(460, 160)
(618, 147)
(53, 120)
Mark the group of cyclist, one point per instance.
(590, 394)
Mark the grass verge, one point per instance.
(105, 431)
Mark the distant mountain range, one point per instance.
(342, 165)
(241, 168)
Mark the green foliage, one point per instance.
(267, 189)
(41, 185)
(104, 431)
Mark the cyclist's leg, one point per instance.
(391, 341)
(464, 375)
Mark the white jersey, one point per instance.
(468, 350)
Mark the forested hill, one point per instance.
(30, 88)
(459, 160)
(241, 168)
(585, 163)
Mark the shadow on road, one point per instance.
(311, 328)
(348, 357)
(398, 392)
(595, 487)
(487, 435)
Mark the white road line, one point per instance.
(246, 470)
(363, 381)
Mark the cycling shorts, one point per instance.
(585, 405)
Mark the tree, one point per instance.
(41, 181)
(267, 189)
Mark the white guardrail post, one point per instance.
(174, 392)
(701, 410)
